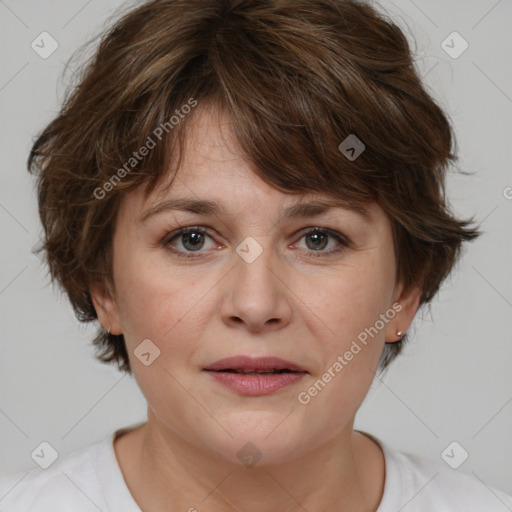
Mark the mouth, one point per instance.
(256, 372)
(255, 376)
(247, 365)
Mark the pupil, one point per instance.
(195, 238)
(318, 237)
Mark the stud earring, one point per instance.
(399, 333)
(108, 330)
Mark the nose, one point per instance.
(255, 294)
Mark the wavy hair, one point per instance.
(297, 78)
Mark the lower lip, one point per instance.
(254, 385)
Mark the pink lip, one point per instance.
(254, 385)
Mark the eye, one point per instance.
(192, 240)
(317, 239)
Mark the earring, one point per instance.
(108, 330)
(399, 333)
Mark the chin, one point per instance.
(259, 438)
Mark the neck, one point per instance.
(162, 470)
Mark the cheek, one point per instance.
(165, 304)
(348, 302)
(350, 305)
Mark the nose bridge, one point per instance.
(256, 294)
(254, 267)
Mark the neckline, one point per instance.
(119, 494)
(392, 476)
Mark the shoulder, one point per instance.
(417, 484)
(70, 483)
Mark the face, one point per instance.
(317, 290)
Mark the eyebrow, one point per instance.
(208, 207)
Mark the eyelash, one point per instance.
(344, 243)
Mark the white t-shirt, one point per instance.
(90, 480)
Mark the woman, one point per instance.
(249, 198)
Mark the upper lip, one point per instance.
(248, 363)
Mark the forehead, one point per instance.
(217, 178)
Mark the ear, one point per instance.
(105, 305)
(406, 305)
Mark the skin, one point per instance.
(287, 303)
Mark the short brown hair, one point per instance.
(297, 78)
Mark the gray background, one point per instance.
(453, 384)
